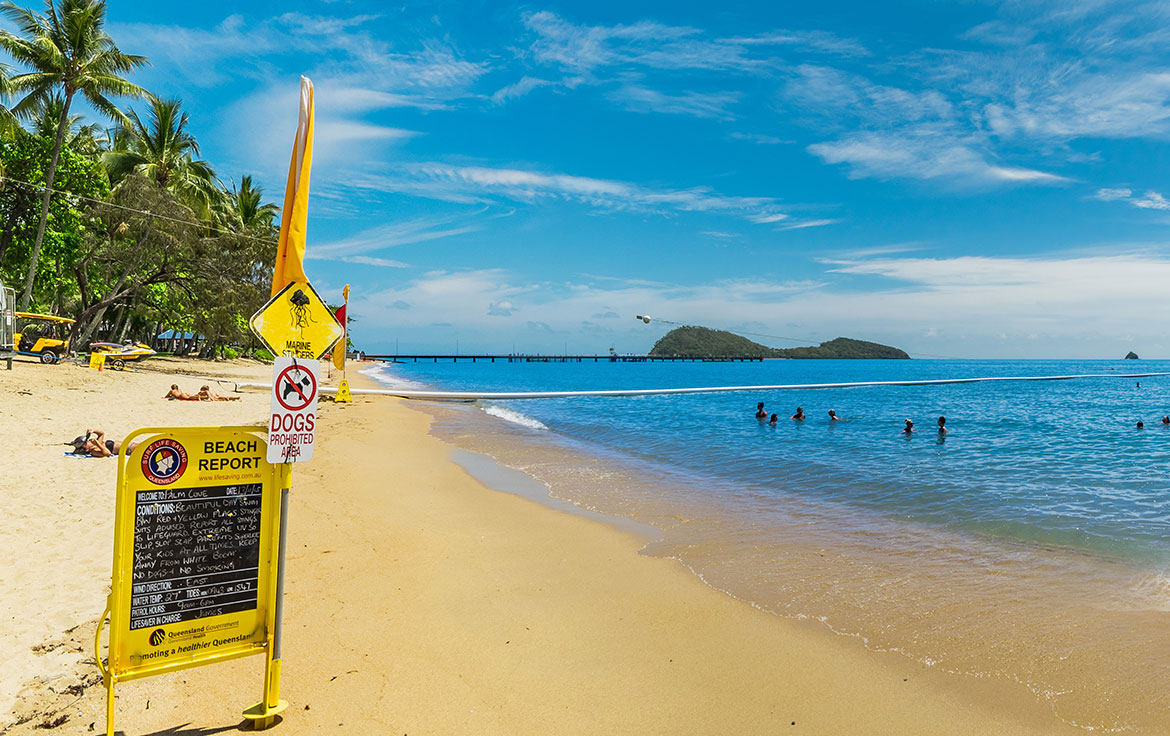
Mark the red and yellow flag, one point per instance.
(290, 253)
(339, 348)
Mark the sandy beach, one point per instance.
(419, 601)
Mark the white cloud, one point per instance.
(697, 104)
(372, 261)
(483, 184)
(519, 89)
(1069, 304)
(417, 230)
(808, 223)
(1151, 200)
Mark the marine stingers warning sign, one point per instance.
(297, 322)
(294, 410)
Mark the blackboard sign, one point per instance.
(196, 553)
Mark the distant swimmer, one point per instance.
(909, 427)
(774, 419)
(833, 416)
(1141, 424)
(760, 413)
(1165, 420)
(799, 415)
(942, 425)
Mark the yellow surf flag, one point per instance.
(339, 348)
(290, 253)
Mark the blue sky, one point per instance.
(972, 179)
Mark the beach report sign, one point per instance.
(293, 423)
(195, 551)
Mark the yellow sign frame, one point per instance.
(97, 360)
(274, 323)
(213, 458)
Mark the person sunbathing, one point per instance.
(175, 394)
(206, 395)
(94, 443)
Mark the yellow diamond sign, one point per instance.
(297, 322)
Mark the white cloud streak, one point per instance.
(484, 184)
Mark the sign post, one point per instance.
(195, 572)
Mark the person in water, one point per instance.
(833, 416)
(1141, 424)
(799, 415)
(909, 427)
(773, 420)
(942, 425)
(760, 413)
(1165, 420)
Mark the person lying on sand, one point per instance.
(94, 443)
(177, 395)
(206, 395)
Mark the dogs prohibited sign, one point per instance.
(294, 410)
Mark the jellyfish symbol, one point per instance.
(299, 311)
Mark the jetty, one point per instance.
(537, 358)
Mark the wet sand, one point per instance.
(420, 601)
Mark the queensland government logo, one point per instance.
(158, 636)
(164, 461)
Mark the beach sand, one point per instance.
(418, 601)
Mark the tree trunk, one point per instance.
(50, 176)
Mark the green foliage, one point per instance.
(231, 353)
(262, 354)
(25, 158)
(701, 342)
(151, 240)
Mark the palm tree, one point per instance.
(163, 150)
(84, 139)
(65, 49)
(246, 211)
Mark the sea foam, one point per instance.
(515, 417)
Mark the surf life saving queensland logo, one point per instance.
(164, 461)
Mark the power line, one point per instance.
(41, 188)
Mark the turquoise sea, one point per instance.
(1031, 542)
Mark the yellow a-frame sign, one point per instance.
(196, 554)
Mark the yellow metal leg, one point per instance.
(263, 714)
(110, 708)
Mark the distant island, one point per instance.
(701, 342)
(1132, 356)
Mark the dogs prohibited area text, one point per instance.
(294, 410)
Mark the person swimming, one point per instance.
(1165, 420)
(942, 425)
(760, 413)
(799, 415)
(909, 427)
(833, 416)
(1141, 424)
(773, 420)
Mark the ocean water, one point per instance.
(1030, 543)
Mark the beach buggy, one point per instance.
(43, 336)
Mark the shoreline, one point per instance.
(898, 587)
(424, 602)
